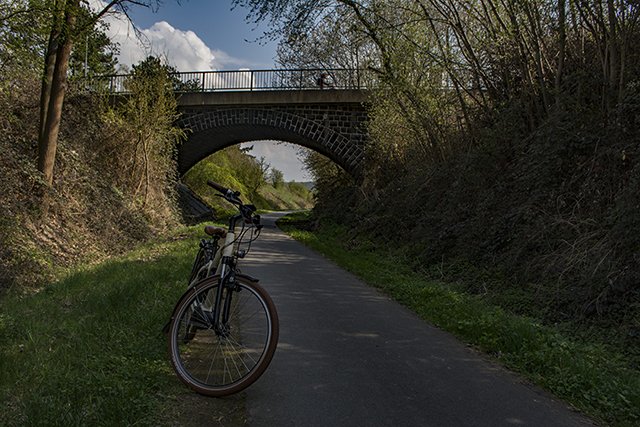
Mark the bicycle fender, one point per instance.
(247, 277)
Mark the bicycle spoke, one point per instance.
(247, 353)
(200, 317)
(233, 359)
(213, 359)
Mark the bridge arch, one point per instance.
(336, 129)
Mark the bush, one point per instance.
(97, 203)
(556, 208)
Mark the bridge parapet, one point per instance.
(254, 80)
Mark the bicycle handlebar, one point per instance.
(220, 188)
(230, 195)
(234, 197)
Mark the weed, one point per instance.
(89, 350)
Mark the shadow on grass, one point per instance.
(89, 350)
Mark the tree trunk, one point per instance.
(562, 42)
(48, 141)
(613, 56)
(50, 63)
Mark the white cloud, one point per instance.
(226, 61)
(182, 49)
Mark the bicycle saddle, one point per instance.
(215, 231)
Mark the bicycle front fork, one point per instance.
(222, 308)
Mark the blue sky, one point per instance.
(217, 25)
(200, 35)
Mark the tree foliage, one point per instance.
(483, 53)
(276, 177)
(23, 35)
(94, 54)
(502, 133)
(144, 152)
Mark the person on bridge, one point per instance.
(325, 81)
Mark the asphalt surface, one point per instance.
(350, 356)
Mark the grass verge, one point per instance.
(89, 350)
(591, 376)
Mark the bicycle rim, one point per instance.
(219, 364)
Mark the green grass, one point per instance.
(89, 350)
(592, 376)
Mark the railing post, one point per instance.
(203, 77)
(251, 86)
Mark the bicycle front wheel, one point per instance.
(224, 359)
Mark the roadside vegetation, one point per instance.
(258, 182)
(596, 375)
(503, 141)
(89, 348)
(503, 137)
(113, 182)
(503, 161)
(104, 179)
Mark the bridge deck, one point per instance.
(273, 97)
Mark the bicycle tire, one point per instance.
(215, 365)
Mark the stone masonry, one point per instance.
(330, 124)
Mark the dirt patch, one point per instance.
(192, 409)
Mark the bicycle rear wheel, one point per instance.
(222, 362)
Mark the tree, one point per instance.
(276, 177)
(66, 27)
(252, 171)
(93, 55)
(487, 52)
(145, 144)
(54, 83)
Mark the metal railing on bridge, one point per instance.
(252, 80)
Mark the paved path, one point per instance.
(349, 356)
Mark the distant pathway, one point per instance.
(349, 356)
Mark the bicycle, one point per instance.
(224, 329)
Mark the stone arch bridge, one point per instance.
(330, 122)
(319, 109)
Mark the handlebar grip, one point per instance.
(218, 187)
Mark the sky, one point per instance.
(202, 35)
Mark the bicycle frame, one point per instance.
(225, 261)
(228, 249)
(226, 269)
